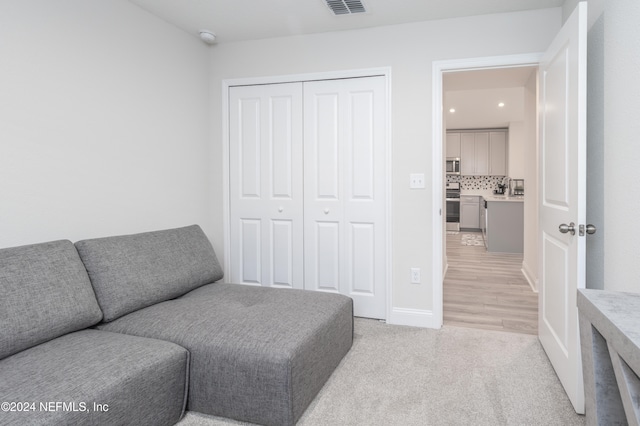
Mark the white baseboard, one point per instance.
(412, 317)
(529, 275)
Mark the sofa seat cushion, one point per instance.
(138, 381)
(130, 272)
(257, 354)
(45, 293)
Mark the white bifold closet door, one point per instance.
(307, 189)
(344, 191)
(265, 179)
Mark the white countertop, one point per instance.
(490, 196)
(505, 198)
(477, 192)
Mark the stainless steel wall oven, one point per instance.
(453, 206)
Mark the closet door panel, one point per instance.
(251, 244)
(365, 196)
(281, 253)
(359, 207)
(326, 157)
(327, 256)
(362, 258)
(265, 127)
(281, 147)
(363, 155)
(249, 164)
(322, 190)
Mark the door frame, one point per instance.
(439, 265)
(292, 78)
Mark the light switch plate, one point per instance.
(416, 181)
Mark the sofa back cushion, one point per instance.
(44, 293)
(131, 272)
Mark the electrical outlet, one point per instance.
(415, 275)
(416, 181)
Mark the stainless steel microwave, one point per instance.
(453, 166)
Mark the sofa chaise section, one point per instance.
(257, 354)
(93, 377)
(48, 356)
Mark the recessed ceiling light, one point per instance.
(501, 104)
(452, 110)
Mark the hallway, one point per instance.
(486, 290)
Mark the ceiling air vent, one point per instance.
(345, 7)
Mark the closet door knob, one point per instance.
(280, 209)
(326, 211)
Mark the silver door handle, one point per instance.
(589, 229)
(564, 228)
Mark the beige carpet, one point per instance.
(397, 375)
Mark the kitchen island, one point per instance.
(504, 223)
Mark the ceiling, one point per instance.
(475, 96)
(236, 20)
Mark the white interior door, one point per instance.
(562, 103)
(265, 185)
(344, 187)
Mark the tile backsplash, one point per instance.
(476, 182)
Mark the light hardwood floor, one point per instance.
(487, 290)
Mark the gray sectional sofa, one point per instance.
(137, 329)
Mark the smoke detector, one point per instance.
(207, 36)
(345, 7)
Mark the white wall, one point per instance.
(595, 152)
(620, 64)
(567, 8)
(613, 153)
(104, 122)
(530, 134)
(517, 140)
(409, 50)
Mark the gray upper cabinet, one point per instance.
(453, 145)
(498, 153)
(474, 154)
(482, 153)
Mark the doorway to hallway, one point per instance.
(481, 288)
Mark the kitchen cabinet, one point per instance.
(505, 225)
(481, 153)
(453, 145)
(470, 212)
(474, 154)
(498, 153)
